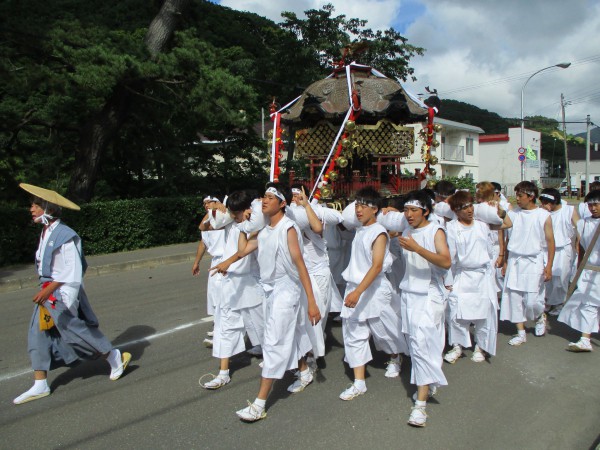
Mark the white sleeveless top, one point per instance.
(526, 237)
(419, 274)
(274, 259)
(562, 225)
(361, 259)
(470, 246)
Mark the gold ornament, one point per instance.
(326, 192)
(430, 184)
(333, 175)
(433, 160)
(345, 142)
(350, 125)
(437, 128)
(432, 172)
(341, 162)
(435, 143)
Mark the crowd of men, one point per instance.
(415, 276)
(412, 277)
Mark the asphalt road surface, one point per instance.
(537, 396)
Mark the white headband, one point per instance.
(275, 192)
(465, 205)
(210, 199)
(363, 201)
(548, 196)
(296, 191)
(526, 192)
(416, 203)
(594, 201)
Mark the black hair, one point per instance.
(593, 196)
(240, 201)
(528, 186)
(216, 194)
(50, 208)
(497, 186)
(398, 202)
(444, 188)
(550, 191)
(430, 193)
(284, 189)
(422, 197)
(369, 195)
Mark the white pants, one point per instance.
(581, 313)
(556, 288)
(486, 329)
(254, 323)
(228, 339)
(423, 324)
(518, 306)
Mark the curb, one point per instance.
(15, 284)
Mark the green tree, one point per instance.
(325, 36)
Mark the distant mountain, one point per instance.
(594, 135)
(491, 122)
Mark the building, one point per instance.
(457, 154)
(577, 165)
(499, 158)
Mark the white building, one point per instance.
(458, 153)
(499, 158)
(577, 165)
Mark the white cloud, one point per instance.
(477, 42)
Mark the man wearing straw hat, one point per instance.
(63, 327)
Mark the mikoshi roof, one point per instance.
(49, 196)
(380, 98)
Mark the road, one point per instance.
(537, 396)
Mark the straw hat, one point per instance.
(49, 196)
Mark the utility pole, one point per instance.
(587, 157)
(562, 107)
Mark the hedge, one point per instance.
(107, 227)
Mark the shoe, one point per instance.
(418, 417)
(337, 319)
(255, 351)
(431, 393)
(311, 362)
(115, 374)
(478, 355)
(518, 340)
(261, 364)
(580, 346)
(540, 326)
(210, 333)
(393, 368)
(208, 343)
(556, 310)
(351, 393)
(217, 382)
(300, 383)
(453, 355)
(30, 396)
(251, 413)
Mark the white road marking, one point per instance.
(18, 373)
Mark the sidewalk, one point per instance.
(13, 278)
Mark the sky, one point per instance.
(483, 51)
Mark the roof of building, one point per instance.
(493, 138)
(457, 125)
(577, 153)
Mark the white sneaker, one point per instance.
(261, 364)
(418, 416)
(431, 393)
(518, 340)
(251, 413)
(31, 395)
(540, 326)
(453, 355)
(255, 351)
(478, 355)
(217, 382)
(300, 383)
(208, 343)
(393, 368)
(352, 392)
(210, 333)
(582, 345)
(556, 310)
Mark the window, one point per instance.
(470, 146)
(469, 176)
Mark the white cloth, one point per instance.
(66, 267)
(581, 311)
(214, 241)
(257, 220)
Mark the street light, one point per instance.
(562, 66)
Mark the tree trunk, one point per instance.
(164, 24)
(97, 134)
